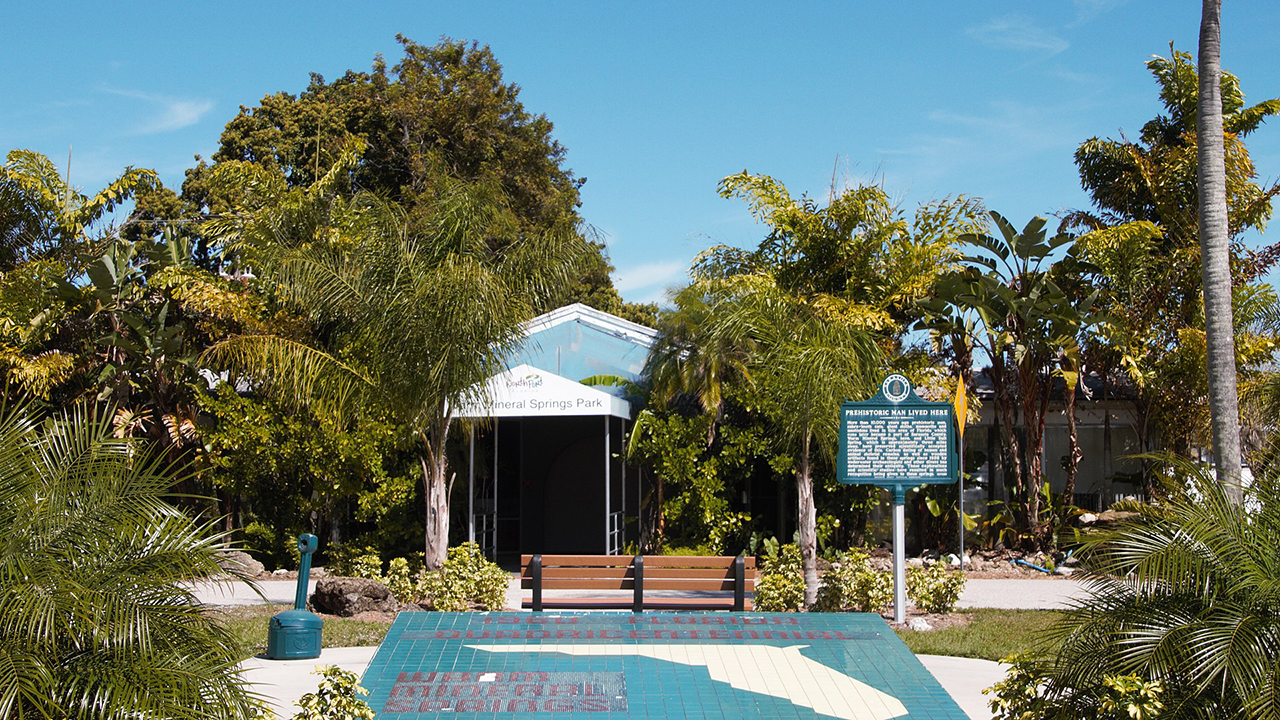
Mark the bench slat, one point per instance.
(694, 561)
(581, 560)
(699, 573)
(687, 585)
(577, 572)
(587, 584)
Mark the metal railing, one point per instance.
(615, 538)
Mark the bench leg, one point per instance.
(739, 584)
(535, 572)
(637, 575)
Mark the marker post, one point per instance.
(899, 553)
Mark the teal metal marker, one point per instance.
(897, 440)
(295, 634)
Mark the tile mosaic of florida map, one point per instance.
(650, 665)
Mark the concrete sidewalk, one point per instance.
(1020, 594)
(285, 681)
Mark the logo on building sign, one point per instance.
(528, 382)
(896, 388)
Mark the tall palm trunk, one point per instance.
(1216, 254)
(435, 494)
(808, 522)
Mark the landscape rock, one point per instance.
(280, 572)
(241, 561)
(1111, 518)
(346, 596)
(918, 624)
(1063, 571)
(1087, 519)
(915, 562)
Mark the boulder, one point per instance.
(346, 596)
(918, 625)
(238, 560)
(1112, 518)
(1063, 571)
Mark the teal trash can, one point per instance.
(295, 634)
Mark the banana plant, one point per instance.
(1023, 316)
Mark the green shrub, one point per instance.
(934, 588)
(399, 582)
(1028, 692)
(852, 584)
(337, 698)
(98, 610)
(467, 578)
(781, 584)
(352, 560)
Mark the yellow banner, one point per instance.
(961, 404)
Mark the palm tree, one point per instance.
(1215, 237)
(47, 237)
(417, 318)
(43, 216)
(97, 614)
(799, 366)
(1185, 594)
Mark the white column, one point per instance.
(492, 524)
(607, 517)
(622, 424)
(471, 484)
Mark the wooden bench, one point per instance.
(639, 574)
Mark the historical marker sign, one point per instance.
(896, 439)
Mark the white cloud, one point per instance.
(647, 275)
(167, 113)
(1017, 32)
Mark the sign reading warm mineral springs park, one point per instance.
(896, 439)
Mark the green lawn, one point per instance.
(989, 635)
(249, 625)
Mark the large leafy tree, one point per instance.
(798, 366)
(98, 614)
(441, 114)
(1143, 241)
(407, 316)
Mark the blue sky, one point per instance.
(657, 101)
